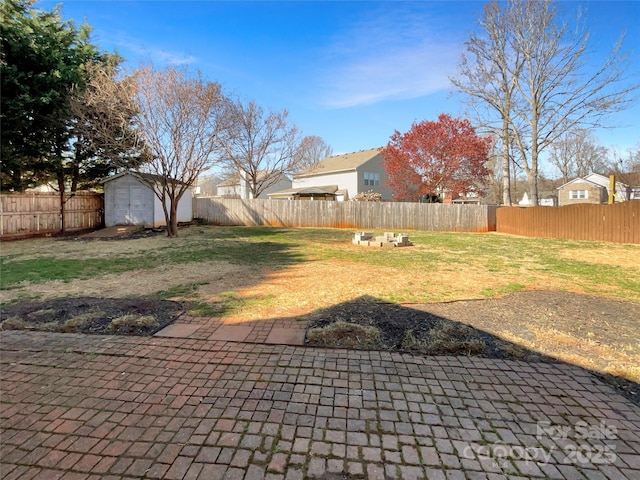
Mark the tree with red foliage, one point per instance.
(435, 157)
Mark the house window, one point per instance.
(371, 179)
(577, 194)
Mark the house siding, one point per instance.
(229, 191)
(375, 166)
(184, 212)
(351, 179)
(282, 184)
(621, 189)
(595, 193)
(345, 181)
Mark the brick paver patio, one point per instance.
(276, 332)
(92, 407)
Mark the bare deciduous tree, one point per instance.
(488, 76)
(555, 91)
(261, 147)
(494, 184)
(311, 151)
(577, 154)
(626, 167)
(180, 120)
(559, 94)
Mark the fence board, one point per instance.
(618, 223)
(354, 215)
(39, 214)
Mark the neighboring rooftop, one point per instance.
(340, 163)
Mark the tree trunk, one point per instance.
(74, 178)
(17, 180)
(506, 164)
(62, 202)
(533, 172)
(75, 173)
(533, 187)
(172, 224)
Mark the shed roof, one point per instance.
(146, 177)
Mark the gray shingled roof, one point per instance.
(340, 163)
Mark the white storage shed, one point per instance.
(129, 200)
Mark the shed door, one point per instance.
(134, 205)
(138, 206)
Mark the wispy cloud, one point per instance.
(173, 59)
(388, 58)
(137, 52)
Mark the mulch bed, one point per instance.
(92, 315)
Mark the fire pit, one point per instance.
(367, 239)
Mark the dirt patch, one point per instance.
(105, 316)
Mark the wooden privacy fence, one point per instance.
(23, 215)
(354, 215)
(619, 222)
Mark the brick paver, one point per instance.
(77, 406)
(280, 331)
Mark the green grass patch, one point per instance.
(583, 271)
(229, 304)
(46, 268)
(494, 292)
(204, 309)
(43, 269)
(183, 290)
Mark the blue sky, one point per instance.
(350, 72)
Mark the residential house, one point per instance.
(593, 188)
(340, 178)
(236, 186)
(129, 199)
